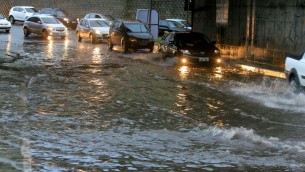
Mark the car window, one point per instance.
(49, 20)
(135, 27)
(163, 23)
(82, 22)
(115, 25)
(185, 23)
(174, 24)
(98, 23)
(31, 10)
(193, 39)
(16, 9)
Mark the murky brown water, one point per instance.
(72, 106)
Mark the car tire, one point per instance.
(11, 19)
(92, 39)
(26, 32)
(44, 34)
(124, 46)
(294, 85)
(110, 45)
(79, 38)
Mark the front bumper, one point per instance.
(138, 44)
(57, 33)
(210, 60)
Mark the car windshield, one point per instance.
(135, 27)
(185, 23)
(192, 39)
(31, 10)
(98, 23)
(49, 20)
(61, 14)
(174, 24)
(1, 16)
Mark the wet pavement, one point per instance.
(70, 106)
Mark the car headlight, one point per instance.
(216, 52)
(98, 32)
(133, 39)
(186, 52)
(67, 20)
(50, 28)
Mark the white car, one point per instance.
(21, 13)
(295, 72)
(95, 29)
(4, 24)
(182, 22)
(45, 25)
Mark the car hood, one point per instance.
(56, 25)
(104, 30)
(3, 21)
(141, 35)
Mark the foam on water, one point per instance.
(273, 93)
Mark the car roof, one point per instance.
(23, 7)
(42, 15)
(176, 19)
(95, 19)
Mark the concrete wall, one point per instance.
(258, 30)
(124, 9)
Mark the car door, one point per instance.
(18, 13)
(116, 33)
(36, 25)
(86, 30)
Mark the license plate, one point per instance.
(73, 21)
(204, 59)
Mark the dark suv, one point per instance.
(61, 15)
(130, 34)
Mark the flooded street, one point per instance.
(70, 106)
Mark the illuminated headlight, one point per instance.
(51, 28)
(98, 32)
(186, 52)
(133, 39)
(184, 60)
(218, 60)
(67, 20)
(216, 51)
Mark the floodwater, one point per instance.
(69, 106)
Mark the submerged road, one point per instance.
(76, 106)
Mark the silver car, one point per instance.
(45, 25)
(94, 29)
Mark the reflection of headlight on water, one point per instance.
(183, 72)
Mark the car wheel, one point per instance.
(92, 39)
(26, 32)
(294, 85)
(11, 19)
(44, 34)
(124, 46)
(79, 38)
(110, 45)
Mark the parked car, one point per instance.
(183, 22)
(130, 34)
(96, 29)
(20, 13)
(62, 16)
(4, 24)
(44, 25)
(190, 47)
(295, 72)
(110, 18)
(170, 26)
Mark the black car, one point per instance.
(130, 34)
(61, 15)
(170, 26)
(190, 47)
